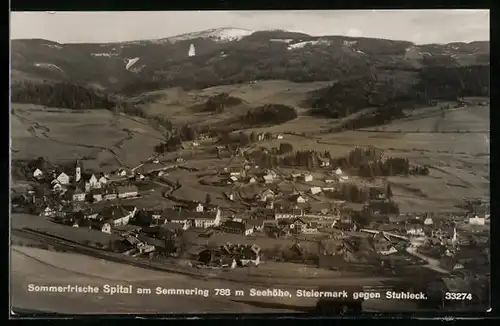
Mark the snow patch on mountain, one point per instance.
(280, 40)
(130, 62)
(302, 44)
(53, 46)
(106, 54)
(225, 34)
(50, 66)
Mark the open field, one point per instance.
(65, 135)
(40, 267)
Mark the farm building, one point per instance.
(315, 190)
(127, 191)
(308, 178)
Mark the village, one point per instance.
(261, 215)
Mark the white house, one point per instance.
(266, 195)
(103, 180)
(415, 230)
(391, 250)
(329, 180)
(268, 178)
(106, 228)
(37, 173)
(280, 136)
(63, 178)
(127, 191)
(299, 199)
(252, 180)
(235, 173)
(97, 197)
(199, 208)
(477, 220)
(308, 178)
(428, 221)
(56, 186)
(315, 190)
(339, 172)
(121, 172)
(343, 178)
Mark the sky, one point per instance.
(418, 26)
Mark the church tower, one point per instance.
(78, 171)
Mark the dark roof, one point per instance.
(128, 188)
(113, 213)
(235, 225)
(255, 222)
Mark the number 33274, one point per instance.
(458, 296)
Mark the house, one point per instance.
(339, 172)
(109, 193)
(230, 196)
(297, 198)
(266, 195)
(268, 178)
(116, 215)
(122, 172)
(199, 208)
(257, 224)
(252, 180)
(237, 228)
(232, 179)
(261, 137)
(179, 160)
(127, 191)
(195, 144)
(57, 187)
(63, 178)
(477, 220)
(415, 230)
(445, 235)
(235, 173)
(428, 221)
(288, 214)
(343, 178)
(187, 218)
(308, 178)
(297, 225)
(330, 180)
(280, 136)
(78, 195)
(345, 226)
(37, 174)
(315, 190)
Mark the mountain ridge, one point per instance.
(229, 55)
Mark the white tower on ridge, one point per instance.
(78, 171)
(192, 51)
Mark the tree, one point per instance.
(388, 190)
(208, 199)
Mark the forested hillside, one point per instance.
(60, 95)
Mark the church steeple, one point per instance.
(78, 171)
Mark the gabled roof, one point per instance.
(113, 213)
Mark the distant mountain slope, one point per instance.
(229, 55)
